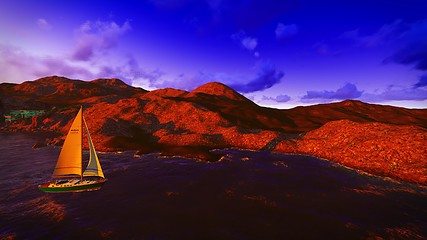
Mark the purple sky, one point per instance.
(278, 53)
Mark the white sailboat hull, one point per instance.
(76, 185)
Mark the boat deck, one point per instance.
(72, 185)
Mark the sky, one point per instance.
(278, 53)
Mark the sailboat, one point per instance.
(68, 175)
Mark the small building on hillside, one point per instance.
(21, 114)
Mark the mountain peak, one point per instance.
(110, 82)
(218, 89)
(353, 103)
(52, 79)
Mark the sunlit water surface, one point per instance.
(247, 195)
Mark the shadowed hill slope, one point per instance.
(311, 117)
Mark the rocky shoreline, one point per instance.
(397, 152)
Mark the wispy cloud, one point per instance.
(267, 75)
(323, 48)
(417, 92)
(387, 32)
(285, 31)
(348, 91)
(396, 93)
(422, 82)
(18, 65)
(62, 67)
(246, 42)
(96, 37)
(414, 47)
(409, 38)
(238, 14)
(280, 98)
(249, 43)
(170, 4)
(86, 59)
(43, 24)
(14, 64)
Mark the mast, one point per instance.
(81, 129)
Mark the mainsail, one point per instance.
(70, 159)
(93, 167)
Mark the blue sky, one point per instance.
(278, 53)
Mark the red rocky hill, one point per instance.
(312, 117)
(122, 117)
(398, 152)
(57, 91)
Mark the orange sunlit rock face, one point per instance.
(399, 152)
(383, 140)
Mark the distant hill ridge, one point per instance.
(59, 91)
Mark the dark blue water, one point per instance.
(247, 195)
